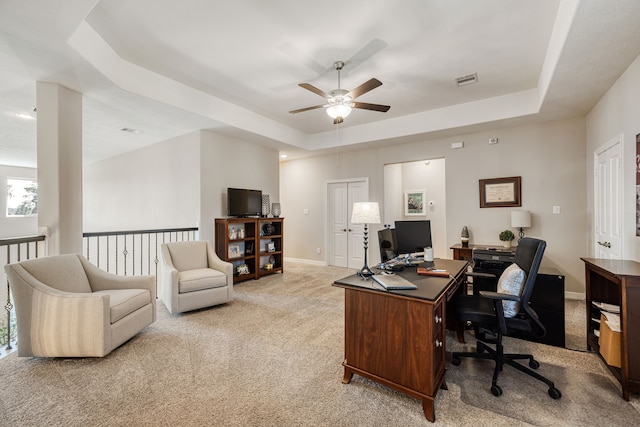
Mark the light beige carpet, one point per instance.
(273, 357)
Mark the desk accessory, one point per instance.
(432, 272)
(365, 213)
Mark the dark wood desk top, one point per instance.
(430, 288)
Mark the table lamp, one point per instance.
(521, 220)
(365, 213)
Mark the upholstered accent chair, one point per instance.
(193, 276)
(68, 307)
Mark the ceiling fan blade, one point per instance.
(374, 107)
(364, 88)
(314, 89)
(366, 52)
(315, 107)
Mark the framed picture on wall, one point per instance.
(414, 203)
(500, 192)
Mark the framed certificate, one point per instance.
(500, 192)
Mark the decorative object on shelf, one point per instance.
(275, 209)
(521, 220)
(241, 233)
(271, 247)
(272, 260)
(234, 251)
(268, 266)
(266, 202)
(365, 213)
(464, 237)
(243, 269)
(233, 233)
(268, 229)
(248, 249)
(506, 237)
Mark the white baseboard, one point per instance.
(306, 261)
(574, 295)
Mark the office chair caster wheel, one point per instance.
(534, 364)
(555, 393)
(456, 361)
(496, 390)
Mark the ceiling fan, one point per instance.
(341, 101)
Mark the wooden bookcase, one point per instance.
(616, 282)
(252, 242)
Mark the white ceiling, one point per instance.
(168, 68)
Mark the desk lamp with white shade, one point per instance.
(365, 213)
(521, 220)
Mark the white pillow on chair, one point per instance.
(511, 282)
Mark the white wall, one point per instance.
(427, 175)
(15, 226)
(230, 162)
(550, 158)
(157, 186)
(617, 113)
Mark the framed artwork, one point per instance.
(271, 247)
(414, 204)
(234, 251)
(500, 192)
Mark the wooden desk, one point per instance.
(397, 338)
(616, 282)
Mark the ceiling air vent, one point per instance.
(467, 80)
(130, 130)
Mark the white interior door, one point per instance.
(345, 240)
(608, 200)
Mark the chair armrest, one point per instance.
(217, 264)
(499, 296)
(482, 275)
(101, 280)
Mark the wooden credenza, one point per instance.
(616, 282)
(397, 338)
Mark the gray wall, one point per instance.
(550, 158)
(617, 113)
(181, 182)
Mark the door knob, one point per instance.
(344, 229)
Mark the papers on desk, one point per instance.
(611, 313)
(611, 308)
(613, 320)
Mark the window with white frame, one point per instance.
(22, 197)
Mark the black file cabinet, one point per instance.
(547, 300)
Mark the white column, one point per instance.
(60, 167)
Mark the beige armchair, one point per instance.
(193, 276)
(68, 307)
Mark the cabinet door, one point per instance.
(438, 346)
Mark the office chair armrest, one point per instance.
(499, 296)
(482, 275)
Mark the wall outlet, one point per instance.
(456, 145)
(317, 250)
(493, 141)
(556, 210)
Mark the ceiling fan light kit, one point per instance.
(340, 102)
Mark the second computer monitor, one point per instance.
(412, 236)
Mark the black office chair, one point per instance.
(485, 311)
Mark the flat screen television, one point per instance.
(412, 236)
(242, 202)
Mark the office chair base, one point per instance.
(483, 351)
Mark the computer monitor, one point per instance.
(412, 236)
